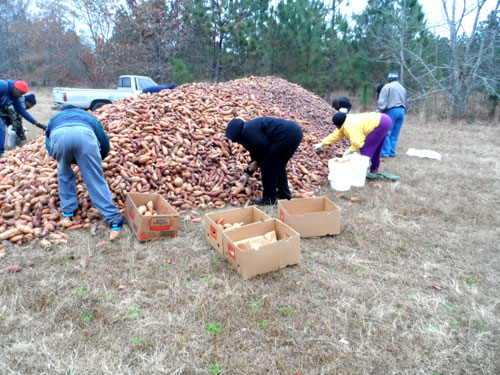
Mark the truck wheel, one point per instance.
(98, 105)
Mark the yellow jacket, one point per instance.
(356, 127)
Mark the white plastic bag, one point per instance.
(424, 154)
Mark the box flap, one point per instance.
(310, 217)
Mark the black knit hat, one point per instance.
(30, 98)
(338, 119)
(234, 128)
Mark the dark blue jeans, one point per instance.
(80, 143)
(3, 129)
(397, 116)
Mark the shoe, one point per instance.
(384, 157)
(68, 214)
(284, 197)
(264, 201)
(117, 226)
(392, 156)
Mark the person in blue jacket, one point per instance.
(74, 135)
(157, 88)
(271, 142)
(10, 94)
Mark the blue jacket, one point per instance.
(6, 99)
(78, 117)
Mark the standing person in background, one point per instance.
(10, 94)
(76, 135)
(392, 101)
(271, 143)
(366, 131)
(341, 104)
(14, 121)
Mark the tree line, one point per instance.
(308, 42)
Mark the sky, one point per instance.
(433, 10)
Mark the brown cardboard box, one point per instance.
(163, 225)
(214, 233)
(310, 217)
(270, 257)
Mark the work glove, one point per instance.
(317, 146)
(252, 167)
(21, 133)
(248, 171)
(41, 126)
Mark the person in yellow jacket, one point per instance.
(366, 131)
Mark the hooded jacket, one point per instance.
(6, 99)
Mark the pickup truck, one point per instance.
(95, 98)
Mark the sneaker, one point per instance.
(264, 201)
(116, 226)
(68, 214)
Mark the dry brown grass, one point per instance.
(410, 286)
(42, 111)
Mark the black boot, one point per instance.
(264, 201)
(284, 196)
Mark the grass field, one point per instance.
(410, 286)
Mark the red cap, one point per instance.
(21, 86)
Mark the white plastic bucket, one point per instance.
(360, 166)
(339, 174)
(348, 171)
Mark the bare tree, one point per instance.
(333, 36)
(147, 34)
(96, 17)
(14, 21)
(466, 55)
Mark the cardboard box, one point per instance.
(214, 233)
(310, 217)
(163, 225)
(267, 258)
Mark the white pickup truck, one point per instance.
(95, 98)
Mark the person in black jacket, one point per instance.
(341, 104)
(271, 142)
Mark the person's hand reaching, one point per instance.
(41, 126)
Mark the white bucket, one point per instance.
(348, 171)
(360, 167)
(339, 174)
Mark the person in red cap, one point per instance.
(10, 94)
